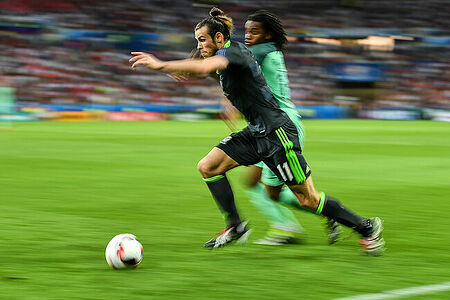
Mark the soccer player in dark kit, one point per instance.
(271, 136)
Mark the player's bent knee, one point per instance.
(202, 168)
(206, 169)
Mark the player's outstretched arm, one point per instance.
(184, 76)
(196, 66)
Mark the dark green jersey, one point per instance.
(245, 86)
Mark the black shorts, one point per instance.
(280, 151)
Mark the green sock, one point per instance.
(276, 214)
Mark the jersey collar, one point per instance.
(227, 44)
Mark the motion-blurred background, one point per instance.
(68, 59)
(66, 188)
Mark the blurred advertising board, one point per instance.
(323, 112)
(437, 115)
(135, 116)
(77, 112)
(356, 72)
(74, 116)
(167, 108)
(390, 114)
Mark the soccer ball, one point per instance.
(124, 251)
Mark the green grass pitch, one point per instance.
(67, 188)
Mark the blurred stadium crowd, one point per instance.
(360, 54)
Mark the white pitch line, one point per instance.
(412, 291)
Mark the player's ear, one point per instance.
(268, 37)
(218, 38)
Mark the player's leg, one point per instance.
(266, 199)
(327, 206)
(291, 166)
(330, 207)
(253, 175)
(277, 191)
(296, 173)
(212, 168)
(284, 227)
(288, 198)
(237, 149)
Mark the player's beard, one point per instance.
(213, 50)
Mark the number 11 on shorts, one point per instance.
(287, 170)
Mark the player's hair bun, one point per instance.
(217, 22)
(215, 12)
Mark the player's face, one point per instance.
(255, 34)
(205, 43)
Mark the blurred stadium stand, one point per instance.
(364, 56)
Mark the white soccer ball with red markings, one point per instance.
(124, 251)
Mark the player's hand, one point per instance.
(147, 60)
(230, 115)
